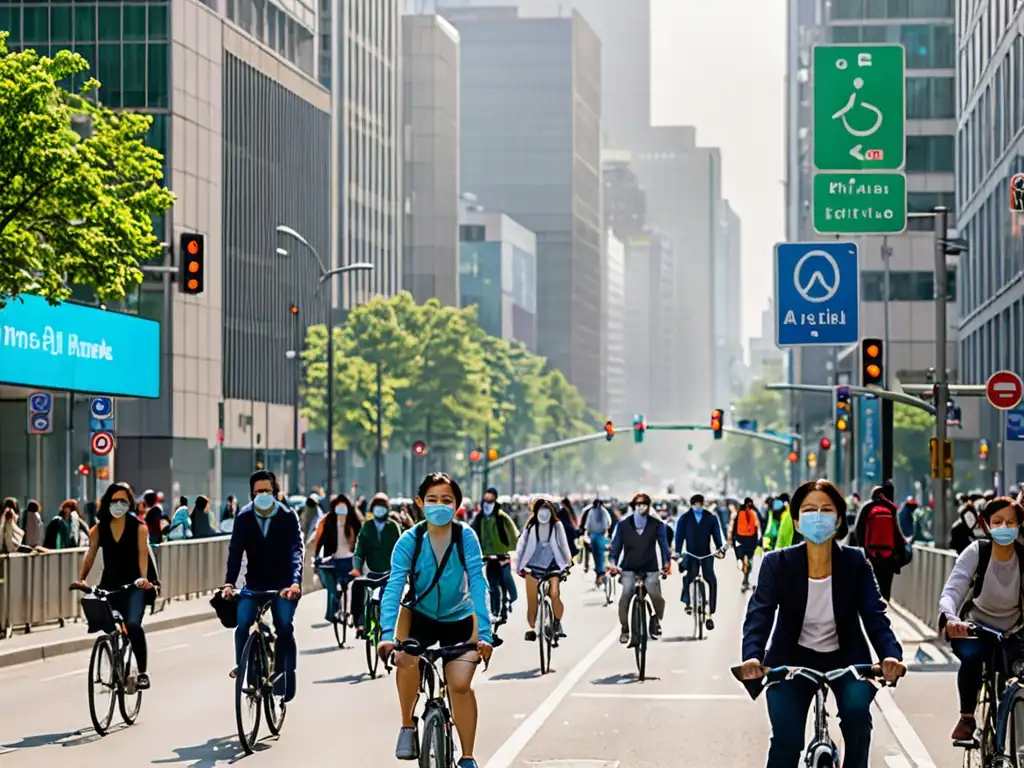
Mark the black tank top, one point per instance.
(120, 557)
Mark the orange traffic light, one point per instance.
(192, 268)
(794, 457)
(492, 454)
(474, 456)
(609, 430)
(294, 309)
(871, 363)
(716, 422)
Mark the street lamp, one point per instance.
(325, 275)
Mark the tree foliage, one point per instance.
(911, 430)
(73, 210)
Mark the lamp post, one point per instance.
(325, 275)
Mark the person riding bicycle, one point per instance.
(696, 531)
(446, 604)
(595, 522)
(374, 545)
(745, 536)
(543, 546)
(816, 595)
(987, 582)
(638, 539)
(268, 534)
(780, 526)
(334, 543)
(124, 541)
(498, 535)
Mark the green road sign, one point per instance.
(859, 107)
(862, 203)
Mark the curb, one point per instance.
(45, 651)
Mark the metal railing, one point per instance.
(34, 586)
(918, 586)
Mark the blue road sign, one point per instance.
(40, 402)
(40, 413)
(817, 294)
(101, 407)
(870, 431)
(39, 424)
(1015, 425)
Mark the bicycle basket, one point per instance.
(226, 610)
(98, 614)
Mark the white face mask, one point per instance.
(544, 516)
(118, 509)
(488, 507)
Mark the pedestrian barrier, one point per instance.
(918, 586)
(34, 586)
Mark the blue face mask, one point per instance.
(1003, 536)
(777, 505)
(817, 527)
(264, 502)
(379, 512)
(438, 514)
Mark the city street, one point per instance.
(589, 713)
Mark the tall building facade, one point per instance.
(530, 147)
(729, 373)
(990, 151)
(616, 375)
(624, 200)
(372, 215)
(649, 330)
(767, 361)
(244, 128)
(430, 118)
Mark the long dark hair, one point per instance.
(352, 523)
(103, 513)
(539, 503)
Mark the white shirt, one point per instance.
(819, 630)
(343, 550)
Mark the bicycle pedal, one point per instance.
(967, 744)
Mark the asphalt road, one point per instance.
(589, 713)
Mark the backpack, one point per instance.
(598, 521)
(478, 524)
(978, 580)
(880, 532)
(746, 523)
(419, 533)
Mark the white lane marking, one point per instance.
(215, 632)
(663, 696)
(173, 647)
(896, 761)
(63, 675)
(903, 730)
(514, 744)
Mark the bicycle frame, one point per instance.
(995, 731)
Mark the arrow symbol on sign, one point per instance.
(857, 153)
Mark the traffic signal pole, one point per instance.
(942, 517)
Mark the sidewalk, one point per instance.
(52, 640)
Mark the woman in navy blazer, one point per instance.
(820, 593)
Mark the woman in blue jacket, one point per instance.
(446, 604)
(816, 594)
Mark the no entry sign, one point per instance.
(1004, 390)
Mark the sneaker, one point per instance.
(964, 730)
(559, 632)
(709, 623)
(689, 611)
(624, 636)
(142, 682)
(655, 629)
(408, 747)
(530, 636)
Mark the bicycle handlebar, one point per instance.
(414, 647)
(97, 592)
(775, 675)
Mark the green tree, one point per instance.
(754, 462)
(73, 210)
(911, 430)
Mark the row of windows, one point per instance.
(275, 29)
(996, 345)
(929, 154)
(983, 39)
(931, 98)
(928, 46)
(904, 285)
(926, 202)
(65, 24)
(996, 118)
(891, 9)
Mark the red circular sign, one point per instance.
(101, 443)
(1004, 390)
(419, 448)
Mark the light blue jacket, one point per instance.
(459, 594)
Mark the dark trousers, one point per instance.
(499, 576)
(884, 571)
(707, 569)
(132, 607)
(790, 700)
(332, 573)
(358, 598)
(973, 652)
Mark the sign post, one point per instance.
(859, 94)
(817, 294)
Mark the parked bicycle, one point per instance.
(821, 751)
(112, 650)
(699, 592)
(437, 748)
(371, 619)
(341, 618)
(547, 638)
(255, 681)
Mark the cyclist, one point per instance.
(638, 538)
(498, 534)
(595, 522)
(374, 545)
(446, 604)
(124, 541)
(780, 526)
(543, 546)
(696, 530)
(745, 535)
(812, 628)
(986, 580)
(334, 542)
(267, 533)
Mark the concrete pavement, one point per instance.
(588, 713)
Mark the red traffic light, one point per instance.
(475, 455)
(419, 448)
(825, 444)
(794, 457)
(193, 256)
(609, 430)
(83, 470)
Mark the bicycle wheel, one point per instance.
(544, 630)
(102, 682)
(695, 607)
(129, 698)
(372, 639)
(638, 632)
(701, 612)
(609, 589)
(341, 619)
(273, 706)
(436, 751)
(249, 692)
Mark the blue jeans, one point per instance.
(332, 573)
(283, 613)
(499, 576)
(789, 701)
(599, 548)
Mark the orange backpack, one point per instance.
(746, 524)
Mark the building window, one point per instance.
(925, 202)
(905, 286)
(930, 154)
(930, 98)
(472, 233)
(929, 46)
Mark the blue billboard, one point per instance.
(869, 428)
(78, 349)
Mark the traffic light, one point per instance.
(945, 459)
(983, 451)
(843, 409)
(794, 457)
(419, 448)
(492, 454)
(609, 431)
(639, 427)
(825, 444)
(716, 423)
(812, 460)
(475, 455)
(871, 363)
(192, 269)
(294, 309)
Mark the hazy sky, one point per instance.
(720, 66)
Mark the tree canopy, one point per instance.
(76, 206)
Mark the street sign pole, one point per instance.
(942, 516)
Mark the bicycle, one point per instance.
(641, 609)
(114, 647)
(437, 749)
(371, 619)
(547, 638)
(698, 594)
(255, 679)
(609, 588)
(494, 565)
(821, 752)
(341, 618)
